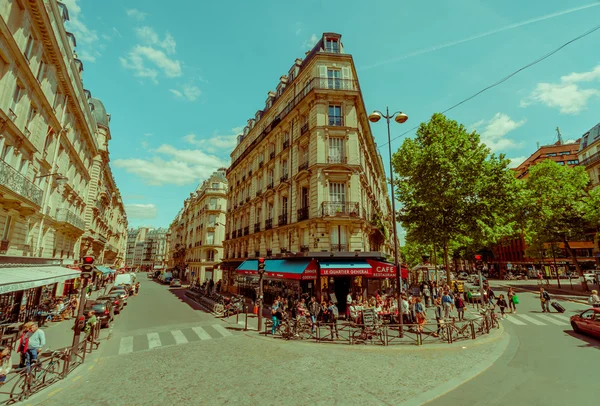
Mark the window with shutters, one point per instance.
(336, 150)
(335, 115)
(29, 48)
(210, 238)
(211, 220)
(284, 168)
(41, 71)
(16, 97)
(30, 116)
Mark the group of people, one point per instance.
(285, 308)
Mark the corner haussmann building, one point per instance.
(307, 187)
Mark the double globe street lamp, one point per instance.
(400, 118)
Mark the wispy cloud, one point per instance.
(493, 132)
(136, 14)
(87, 39)
(140, 57)
(141, 211)
(216, 142)
(150, 37)
(514, 162)
(478, 36)
(309, 43)
(567, 95)
(187, 92)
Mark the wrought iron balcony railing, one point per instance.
(344, 209)
(303, 166)
(339, 247)
(18, 183)
(286, 144)
(67, 216)
(246, 230)
(304, 248)
(304, 128)
(256, 227)
(334, 159)
(283, 178)
(270, 185)
(283, 219)
(272, 155)
(302, 213)
(268, 224)
(590, 160)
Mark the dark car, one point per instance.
(104, 311)
(122, 294)
(116, 299)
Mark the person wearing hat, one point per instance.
(594, 299)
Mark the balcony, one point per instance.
(269, 253)
(304, 248)
(250, 173)
(233, 235)
(246, 230)
(590, 160)
(283, 219)
(268, 224)
(258, 193)
(336, 121)
(304, 128)
(332, 159)
(216, 207)
(247, 199)
(244, 178)
(283, 178)
(303, 166)
(239, 232)
(272, 155)
(303, 213)
(339, 248)
(342, 209)
(261, 164)
(256, 227)
(286, 144)
(227, 236)
(270, 185)
(10, 178)
(256, 254)
(68, 217)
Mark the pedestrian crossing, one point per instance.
(536, 319)
(154, 340)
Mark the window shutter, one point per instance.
(323, 75)
(346, 84)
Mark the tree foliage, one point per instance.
(451, 187)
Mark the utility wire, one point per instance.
(504, 79)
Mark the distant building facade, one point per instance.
(146, 248)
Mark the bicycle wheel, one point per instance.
(20, 389)
(359, 337)
(285, 330)
(49, 372)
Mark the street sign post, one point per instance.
(261, 271)
(479, 267)
(87, 269)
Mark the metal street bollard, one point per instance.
(246, 317)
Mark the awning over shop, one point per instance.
(346, 268)
(304, 269)
(104, 269)
(21, 278)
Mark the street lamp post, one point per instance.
(400, 118)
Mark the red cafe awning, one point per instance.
(384, 270)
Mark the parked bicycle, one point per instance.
(39, 375)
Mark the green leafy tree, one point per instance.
(451, 187)
(559, 205)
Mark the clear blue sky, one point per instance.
(180, 78)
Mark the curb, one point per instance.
(516, 288)
(463, 378)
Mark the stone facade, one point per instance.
(306, 175)
(147, 248)
(589, 154)
(196, 235)
(58, 198)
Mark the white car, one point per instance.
(463, 276)
(590, 277)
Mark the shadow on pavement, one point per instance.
(180, 294)
(591, 341)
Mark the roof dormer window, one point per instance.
(332, 45)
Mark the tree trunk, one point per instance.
(446, 262)
(435, 264)
(577, 268)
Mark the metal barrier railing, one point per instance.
(444, 332)
(21, 383)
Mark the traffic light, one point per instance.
(81, 323)
(478, 262)
(261, 266)
(87, 266)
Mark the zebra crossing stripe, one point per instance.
(126, 345)
(552, 320)
(560, 316)
(201, 333)
(153, 340)
(515, 321)
(179, 337)
(531, 320)
(224, 332)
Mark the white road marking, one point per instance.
(153, 340)
(560, 316)
(531, 320)
(201, 333)
(515, 321)
(552, 320)
(126, 345)
(179, 337)
(224, 332)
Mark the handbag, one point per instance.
(515, 299)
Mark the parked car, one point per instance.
(587, 322)
(104, 311)
(116, 300)
(122, 294)
(175, 283)
(463, 276)
(590, 277)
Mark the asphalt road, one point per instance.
(165, 351)
(545, 363)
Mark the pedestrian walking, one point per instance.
(348, 304)
(490, 296)
(276, 315)
(459, 303)
(437, 303)
(420, 313)
(315, 309)
(513, 300)
(447, 303)
(426, 295)
(545, 300)
(501, 302)
(333, 315)
(594, 299)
